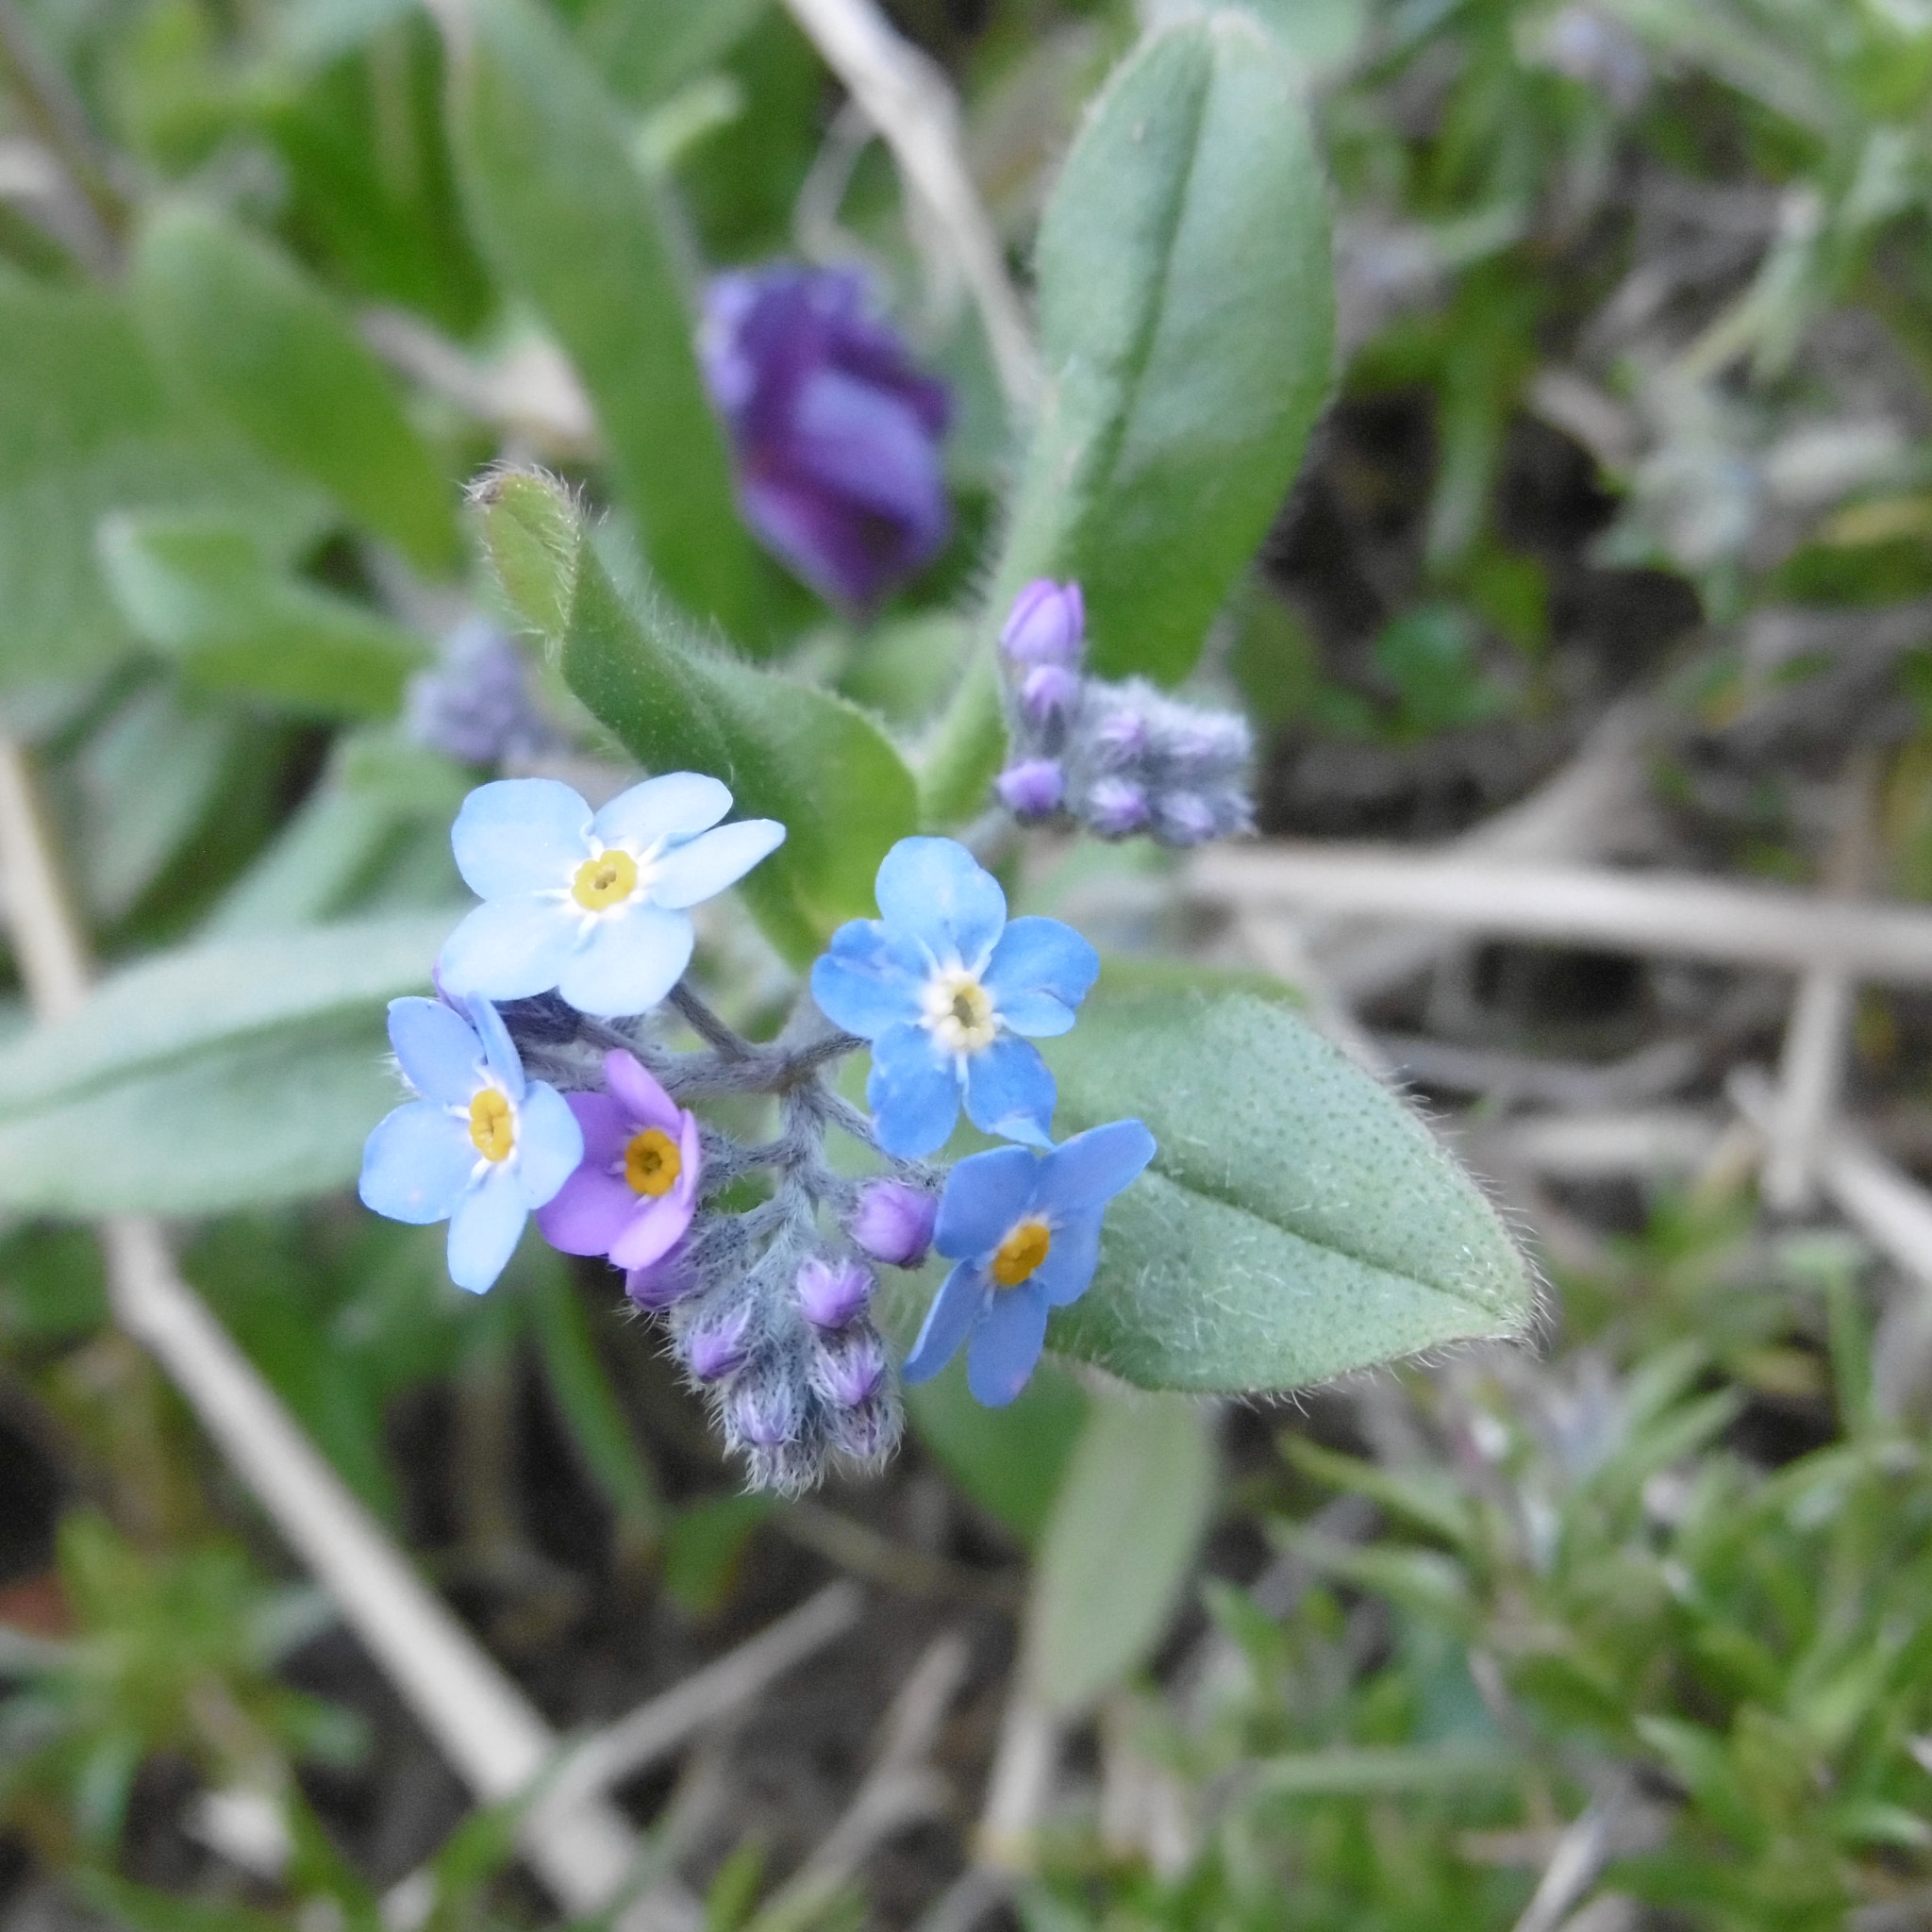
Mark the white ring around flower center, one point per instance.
(958, 1013)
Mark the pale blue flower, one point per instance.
(943, 986)
(591, 905)
(1024, 1231)
(480, 1149)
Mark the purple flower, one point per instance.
(836, 433)
(1048, 624)
(849, 1369)
(831, 1293)
(1025, 1230)
(1117, 807)
(894, 1223)
(1032, 790)
(1048, 693)
(638, 1188)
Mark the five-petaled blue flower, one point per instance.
(941, 985)
(1024, 1231)
(480, 1149)
(591, 905)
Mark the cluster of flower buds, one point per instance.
(474, 704)
(540, 1088)
(1121, 759)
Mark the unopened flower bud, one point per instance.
(473, 703)
(849, 1368)
(763, 1409)
(1121, 737)
(831, 1293)
(1116, 808)
(667, 1280)
(1032, 790)
(866, 1433)
(1048, 624)
(1209, 743)
(1183, 817)
(894, 1223)
(717, 1342)
(1047, 693)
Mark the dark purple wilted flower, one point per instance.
(837, 434)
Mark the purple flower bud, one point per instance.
(1048, 624)
(894, 1223)
(1121, 737)
(830, 1292)
(1209, 743)
(667, 1280)
(866, 1433)
(849, 1369)
(473, 703)
(1048, 693)
(763, 1409)
(1032, 790)
(1183, 817)
(717, 1342)
(1116, 808)
(836, 434)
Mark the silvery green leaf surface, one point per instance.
(788, 752)
(1186, 323)
(1299, 1220)
(266, 349)
(562, 209)
(1118, 1544)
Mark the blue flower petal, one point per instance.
(1010, 1093)
(550, 1144)
(913, 1093)
(505, 1061)
(485, 1229)
(417, 1163)
(506, 949)
(1006, 1344)
(1070, 1259)
(985, 1195)
(868, 979)
(631, 959)
(962, 1294)
(665, 810)
(935, 891)
(1091, 1168)
(520, 835)
(702, 867)
(1035, 958)
(438, 1050)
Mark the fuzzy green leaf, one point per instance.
(572, 225)
(1298, 1221)
(1186, 311)
(256, 341)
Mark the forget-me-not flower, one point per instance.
(1023, 1232)
(594, 905)
(638, 1189)
(480, 1149)
(943, 986)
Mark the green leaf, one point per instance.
(204, 593)
(201, 996)
(87, 427)
(1298, 1221)
(1102, 1600)
(788, 752)
(1375, 1771)
(253, 339)
(1185, 315)
(280, 1117)
(560, 206)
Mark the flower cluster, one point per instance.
(474, 704)
(540, 1086)
(1121, 759)
(836, 434)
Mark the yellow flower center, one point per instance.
(493, 1123)
(958, 1012)
(605, 881)
(1023, 1250)
(652, 1162)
